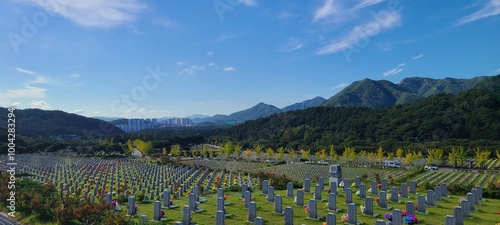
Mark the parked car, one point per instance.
(430, 167)
(323, 162)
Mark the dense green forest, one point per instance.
(471, 118)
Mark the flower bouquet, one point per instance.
(410, 219)
(388, 216)
(344, 218)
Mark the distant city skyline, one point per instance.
(152, 59)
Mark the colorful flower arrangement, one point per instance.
(162, 213)
(377, 200)
(379, 186)
(136, 207)
(388, 216)
(306, 209)
(344, 218)
(403, 212)
(461, 199)
(362, 207)
(410, 219)
(328, 190)
(225, 197)
(114, 203)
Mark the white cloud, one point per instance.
(210, 54)
(496, 72)
(366, 3)
(492, 8)
(180, 63)
(136, 110)
(383, 21)
(40, 104)
(230, 69)
(77, 111)
(211, 64)
(159, 111)
(226, 37)
(385, 46)
(248, 2)
(417, 57)
(341, 85)
(25, 92)
(25, 71)
(398, 69)
(93, 13)
(290, 45)
(325, 10)
(164, 22)
(192, 70)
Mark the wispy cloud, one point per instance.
(192, 70)
(70, 80)
(25, 71)
(326, 10)
(248, 2)
(491, 8)
(366, 3)
(210, 54)
(398, 69)
(341, 85)
(24, 92)
(230, 69)
(496, 72)
(226, 37)
(40, 104)
(136, 110)
(93, 13)
(385, 46)
(290, 45)
(164, 22)
(77, 111)
(417, 57)
(361, 32)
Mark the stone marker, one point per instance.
(220, 204)
(404, 190)
(317, 192)
(368, 207)
(379, 222)
(384, 185)
(244, 188)
(131, 205)
(410, 208)
(288, 215)
(394, 195)
(430, 198)
(252, 211)
(475, 196)
(220, 217)
(166, 199)
(458, 215)
(289, 189)
(357, 181)
(247, 198)
(470, 202)
(278, 204)
(300, 197)
(335, 174)
(479, 193)
(421, 204)
(265, 184)
(192, 202)
(382, 200)
(307, 186)
(444, 190)
(437, 193)
(351, 214)
(321, 183)
(374, 188)
(331, 219)
(258, 221)
(270, 194)
(332, 202)
(348, 196)
(186, 215)
(465, 208)
(313, 210)
(157, 211)
(347, 184)
(362, 191)
(397, 218)
(413, 187)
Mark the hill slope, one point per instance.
(45, 123)
(375, 94)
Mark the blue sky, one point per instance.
(136, 58)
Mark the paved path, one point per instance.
(6, 220)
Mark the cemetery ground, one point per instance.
(220, 173)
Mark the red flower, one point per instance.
(379, 186)
(377, 199)
(328, 190)
(403, 212)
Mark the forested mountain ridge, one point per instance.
(471, 116)
(383, 93)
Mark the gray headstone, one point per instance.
(347, 183)
(362, 191)
(384, 185)
(300, 197)
(430, 198)
(196, 191)
(131, 205)
(108, 198)
(394, 194)
(288, 215)
(166, 199)
(333, 187)
(331, 219)
(368, 206)
(397, 218)
(449, 220)
(220, 203)
(410, 208)
(258, 221)
(351, 214)
(156, 210)
(313, 210)
(421, 204)
(374, 188)
(479, 193)
(307, 186)
(248, 198)
(278, 204)
(437, 193)
(357, 181)
(317, 192)
(192, 202)
(470, 202)
(186, 215)
(458, 214)
(475, 196)
(413, 187)
(404, 190)
(252, 211)
(321, 182)
(143, 220)
(335, 173)
(348, 196)
(219, 217)
(244, 188)
(382, 200)
(332, 201)
(270, 194)
(465, 207)
(289, 189)
(265, 184)
(444, 190)
(220, 192)
(379, 222)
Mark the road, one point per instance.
(5, 220)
